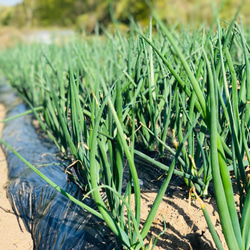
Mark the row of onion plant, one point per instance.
(220, 83)
(99, 98)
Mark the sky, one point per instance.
(9, 2)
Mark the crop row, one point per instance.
(101, 98)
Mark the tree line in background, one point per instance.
(85, 13)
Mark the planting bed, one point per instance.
(185, 226)
(165, 108)
(49, 217)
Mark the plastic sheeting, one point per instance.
(53, 221)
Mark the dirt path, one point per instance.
(11, 237)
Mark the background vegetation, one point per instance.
(79, 14)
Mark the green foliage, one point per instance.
(6, 16)
(101, 98)
(75, 13)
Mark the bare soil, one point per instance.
(185, 225)
(11, 236)
(179, 222)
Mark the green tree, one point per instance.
(88, 12)
(6, 15)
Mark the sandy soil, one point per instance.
(179, 213)
(11, 236)
(186, 227)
